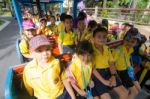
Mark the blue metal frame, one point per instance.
(20, 57)
(18, 14)
(9, 92)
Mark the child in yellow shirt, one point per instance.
(43, 29)
(123, 65)
(90, 28)
(53, 25)
(28, 32)
(80, 70)
(43, 76)
(104, 64)
(81, 30)
(66, 38)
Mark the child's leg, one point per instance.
(133, 92)
(137, 85)
(121, 91)
(105, 96)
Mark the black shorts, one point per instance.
(126, 80)
(99, 87)
(64, 95)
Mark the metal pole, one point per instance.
(38, 7)
(18, 14)
(61, 8)
(75, 3)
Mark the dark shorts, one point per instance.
(68, 49)
(99, 87)
(64, 95)
(126, 80)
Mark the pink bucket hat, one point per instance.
(28, 24)
(38, 41)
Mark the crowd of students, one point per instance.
(94, 70)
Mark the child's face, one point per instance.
(42, 54)
(100, 38)
(122, 27)
(81, 25)
(131, 43)
(68, 24)
(30, 33)
(43, 23)
(52, 20)
(85, 58)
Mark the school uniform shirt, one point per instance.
(24, 46)
(45, 82)
(76, 70)
(121, 34)
(66, 38)
(101, 60)
(60, 27)
(80, 37)
(88, 35)
(53, 28)
(46, 31)
(122, 57)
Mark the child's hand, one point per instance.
(113, 81)
(82, 93)
(107, 83)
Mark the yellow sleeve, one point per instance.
(27, 85)
(60, 37)
(111, 59)
(24, 47)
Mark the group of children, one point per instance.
(94, 70)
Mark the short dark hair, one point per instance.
(92, 24)
(82, 14)
(62, 16)
(84, 47)
(132, 33)
(68, 17)
(128, 24)
(99, 29)
(80, 19)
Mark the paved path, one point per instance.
(8, 56)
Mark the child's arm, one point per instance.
(113, 73)
(60, 47)
(78, 90)
(100, 78)
(69, 89)
(28, 88)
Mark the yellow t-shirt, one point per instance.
(46, 31)
(76, 70)
(88, 35)
(24, 47)
(66, 38)
(60, 27)
(101, 60)
(45, 82)
(80, 37)
(122, 57)
(53, 28)
(121, 35)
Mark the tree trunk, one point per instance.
(134, 3)
(115, 3)
(104, 3)
(147, 7)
